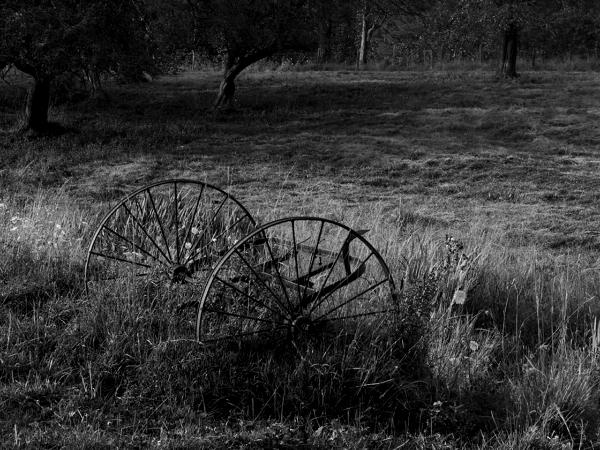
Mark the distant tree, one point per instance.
(243, 32)
(335, 21)
(176, 32)
(48, 38)
(573, 28)
(372, 15)
(375, 14)
(471, 29)
(510, 16)
(516, 19)
(477, 29)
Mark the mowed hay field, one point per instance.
(508, 168)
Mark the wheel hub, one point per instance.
(300, 324)
(179, 274)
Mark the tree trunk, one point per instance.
(233, 67)
(226, 92)
(227, 88)
(95, 86)
(362, 49)
(324, 50)
(36, 108)
(428, 58)
(510, 46)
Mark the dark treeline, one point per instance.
(78, 44)
(399, 32)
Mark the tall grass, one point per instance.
(494, 346)
(517, 361)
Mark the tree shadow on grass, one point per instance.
(462, 110)
(353, 121)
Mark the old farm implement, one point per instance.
(189, 244)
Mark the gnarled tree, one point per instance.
(48, 38)
(242, 32)
(374, 15)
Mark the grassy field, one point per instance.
(509, 168)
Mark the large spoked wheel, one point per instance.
(295, 277)
(164, 239)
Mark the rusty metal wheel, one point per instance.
(164, 239)
(295, 277)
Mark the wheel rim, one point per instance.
(295, 277)
(162, 241)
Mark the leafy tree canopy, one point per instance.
(48, 38)
(242, 32)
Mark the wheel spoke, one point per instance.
(199, 238)
(296, 261)
(193, 218)
(142, 211)
(121, 259)
(312, 258)
(130, 242)
(199, 250)
(276, 264)
(337, 257)
(135, 219)
(375, 286)
(321, 300)
(176, 217)
(162, 230)
(258, 277)
(235, 288)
